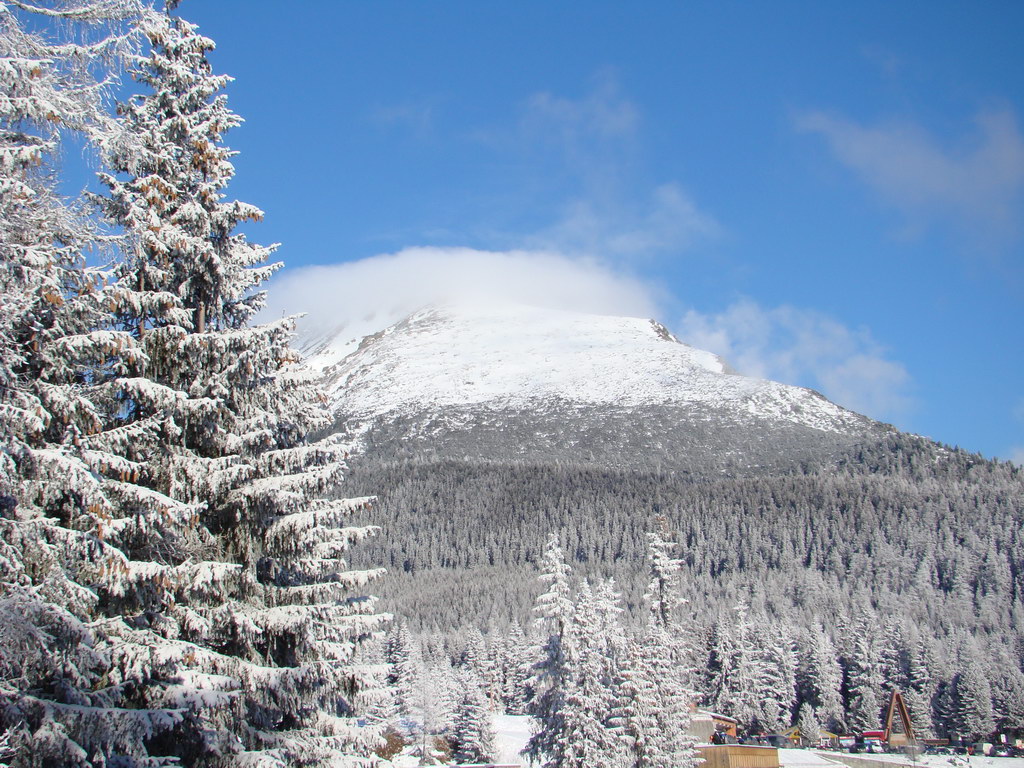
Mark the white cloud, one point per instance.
(368, 295)
(608, 213)
(788, 344)
(415, 116)
(594, 124)
(978, 182)
(1018, 411)
(669, 221)
(805, 347)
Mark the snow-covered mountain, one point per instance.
(485, 428)
(500, 379)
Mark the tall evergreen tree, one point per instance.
(821, 678)
(476, 657)
(515, 675)
(80, 683)
(472, 737)
(971, 694)
(592, 735)
(864, 681)
(555, 613)
(1007, 684)
(252, 594)
(738, 686)
(920, 690)
(663, 596)
(807, 722)
(777, 683)
(656, 698)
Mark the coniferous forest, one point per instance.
(187, 558)
(892, 564)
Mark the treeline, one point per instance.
(600, 697)
(904, 557)
(901, 527)
(769, 674)
(580, 670)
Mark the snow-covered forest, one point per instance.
(895, 565)
(187, 562)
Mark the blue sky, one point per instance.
(829, 194)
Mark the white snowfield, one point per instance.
(510, 356)
(513, 731)
(923, 761)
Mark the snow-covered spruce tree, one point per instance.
(592, 735)
(664, 599)
(807, 722)
(663, 596)
(971, 695)
(1007, 683)
(71, 684)
(777, 684)
(864, 682)
(476, 658)
(554, 610)
(515, 670)
(737, 687)
(258, 614)
(920, 690)
(472, 733)
(821, 679)
(406, 674)
(655, 706)
(655, 695)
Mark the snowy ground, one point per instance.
(513, 731)
(804, 758)
(931, 761)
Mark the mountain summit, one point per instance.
(497, 380)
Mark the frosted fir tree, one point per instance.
(655, 697)
(823, 679)
(864, 680)
(554, 609)
(260, 617)
(591, 735)
(78, 684)
(515, 671)
(1007, 684)
(777, 683)
(476, 657)
(893, 658)
(406, 678)
(663, 599)
(807, 723)
(971, 695)
(737, 691)
(442, 692)
(920, 690)
(472, 732)
(663, 596)
(656, 707)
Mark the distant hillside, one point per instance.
(482, 430)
